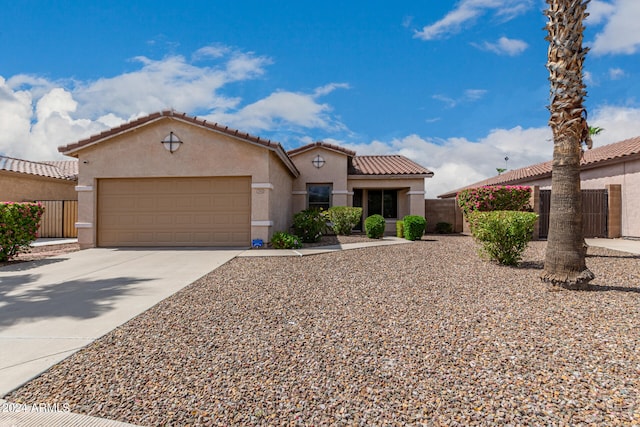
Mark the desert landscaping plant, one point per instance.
(282, 240)
(494, 198)
(19, 224)
(344, 218)
(309, 224)
(503, 235)
(400, 229)
(414, 226)
(374, 226)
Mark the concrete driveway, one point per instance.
(50, 309)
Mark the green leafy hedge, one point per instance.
(503, 235)
(309, 224)
(444, 228)
(374, 226)
(344, 218)
(19, 224)
(282, 240)
(414, 226)
(494, 198)
(400, 229)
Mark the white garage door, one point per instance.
(202, 211)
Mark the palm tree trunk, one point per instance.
(564, 264)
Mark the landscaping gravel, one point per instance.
(418, 334)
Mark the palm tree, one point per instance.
(564, 264)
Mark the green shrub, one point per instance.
(374, 226)
(414, 226)
(494, 198)
(282, 240)
(344, 218)
(19, 224)
(309, 224)
(503, 235)
(444, 228)
(399, 229)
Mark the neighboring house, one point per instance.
(27, 181)
(601, 168)
(50, 182)
(169, 179)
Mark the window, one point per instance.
(319, 196)
(382, 202)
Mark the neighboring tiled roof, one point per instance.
(386, 165)
(308, 147)
(71, 149)
(611, 153)
(63, 169)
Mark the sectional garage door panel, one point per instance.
(204, 211)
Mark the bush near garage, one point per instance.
(19, 223)
(310, 224)
(283, 240)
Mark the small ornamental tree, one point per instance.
(19, 224)
(494, 198)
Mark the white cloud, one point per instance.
(37, 115)
(618, 122)
(466, 11)
(620, 34)
(470, 95)
(616, 73)
(599, 11)
(504, 46)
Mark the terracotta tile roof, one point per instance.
(63, 169)
(606, 154)
(332, 147)
(71, 149)
(386, 165)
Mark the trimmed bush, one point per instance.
(414, 226)
(344, 218)
(399, 229)
(309, 224)
(444, 228)
(374, 226)
(282, 240)
(503, 235)
(19, 223)
(494, 198)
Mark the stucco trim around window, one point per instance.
(299, 193)
(348, 193)
(416, 193)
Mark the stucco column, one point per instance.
(85, 225)
(416, 202)
(614, 215)
(261, 224)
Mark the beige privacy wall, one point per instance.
(20, 187)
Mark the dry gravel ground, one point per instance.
(416, 334)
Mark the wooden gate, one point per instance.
(59, 218)
(594, 213)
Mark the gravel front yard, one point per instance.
(423, 333)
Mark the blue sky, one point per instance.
(455, 85)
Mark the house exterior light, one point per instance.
(318, 161)
(171, 142)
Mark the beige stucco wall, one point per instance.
(19, 187)
(281, 200)
(333, 172)
(139, 153)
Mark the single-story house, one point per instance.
(613, 167)
(169, 179)
(27, 181)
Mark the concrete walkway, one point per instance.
(623, 245)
